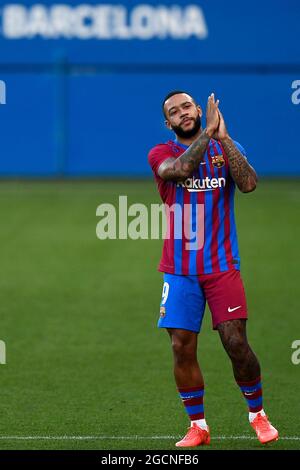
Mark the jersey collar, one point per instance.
(180, 144)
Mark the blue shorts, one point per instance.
(184, 299)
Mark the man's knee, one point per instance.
(184, 345)
(236, 346)
(233, 336)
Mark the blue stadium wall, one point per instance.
(81, 88)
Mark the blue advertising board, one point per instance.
(81, 84)
(167, 32)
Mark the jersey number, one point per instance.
(165, 292)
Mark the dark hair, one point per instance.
(172, 93)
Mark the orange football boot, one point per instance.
(264, 429)
(195, 437)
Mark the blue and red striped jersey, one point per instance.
(201, 236)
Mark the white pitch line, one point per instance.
(132, 438)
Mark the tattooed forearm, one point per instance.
(191, 158)
(242, 173)
(184, 166)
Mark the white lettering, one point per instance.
(106, 228)
(176, 223)
(2, 352)
(214, 183)
(296, 354)
(123, 217)
(157, 214)
(101, 24)
(194, 24)
(168, 22)
(14, 21)
(83, 20)
(107, 21)
(296, 94)
(38, 24)
(142, 22)
(205, 184)
(2, 92)
(61, 26)
(112, 460)
(120, 28)
(138, 227)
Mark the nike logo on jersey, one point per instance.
(233, 309)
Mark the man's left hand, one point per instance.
(221, 132)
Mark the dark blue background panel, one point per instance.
(30, 129)
(148, 32)
(115, 119)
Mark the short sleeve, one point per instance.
(158, 155)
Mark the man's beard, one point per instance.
(190, 133)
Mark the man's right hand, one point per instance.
(212, 115)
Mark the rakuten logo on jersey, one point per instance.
(202, 184)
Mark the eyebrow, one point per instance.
(181, 104)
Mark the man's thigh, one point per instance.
(225, 295)
(183, 303)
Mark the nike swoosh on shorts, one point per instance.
(233, 309)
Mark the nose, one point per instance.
(184, 115)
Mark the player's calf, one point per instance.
(247, 374)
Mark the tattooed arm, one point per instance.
(180, 168)
(242, 173)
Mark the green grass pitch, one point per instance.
(87, 367)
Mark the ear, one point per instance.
(168, 125)
(199, 110)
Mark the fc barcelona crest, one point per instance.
(218, 161)
(162, 312)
